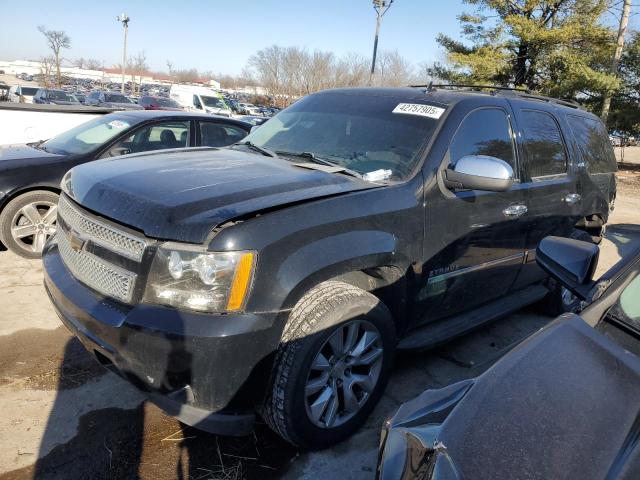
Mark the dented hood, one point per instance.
(183, 194)
(564, 404)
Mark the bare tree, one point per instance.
(291, 72)
(93, 64)
(138, 67)
(170, 67)
(393, 71)
(47, 64)
(57, 40)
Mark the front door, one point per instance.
(474, 240)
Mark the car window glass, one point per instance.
(484, 132)
(630, 300)
(158, 136)
(196, 102)
(218, 135)
(359, 132)
(593, 143)
(543, 144)
(627, 308)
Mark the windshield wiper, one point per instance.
(322, 161)
(259, 149)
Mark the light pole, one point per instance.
(125, 23)
(381, 7)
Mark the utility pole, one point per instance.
(125, 23)
(381, 7)
(624, 21)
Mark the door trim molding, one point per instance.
(475, 268)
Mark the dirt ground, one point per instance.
(64, 417)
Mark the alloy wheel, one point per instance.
(33, 224)
(343, 374)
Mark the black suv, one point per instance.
(278, 276)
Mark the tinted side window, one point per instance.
(594, 144)
(543, 144)
(484, 132)
(158, 136)
(218, 135)
(196, 102)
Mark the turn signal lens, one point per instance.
(241, 282)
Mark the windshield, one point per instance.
(116, 98)
(90, 135)
(28, 90)
(60, 95)
(359, 132)
(213, 102)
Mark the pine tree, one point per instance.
(558, 48)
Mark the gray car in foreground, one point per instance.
(563, 404)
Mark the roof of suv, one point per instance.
(449, 96)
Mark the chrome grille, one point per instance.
(101, 233)
(95, 272)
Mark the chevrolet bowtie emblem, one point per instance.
(75, 241)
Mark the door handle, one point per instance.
(572, 198)
(515, 210)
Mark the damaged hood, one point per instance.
(183, 194)
(564, 404)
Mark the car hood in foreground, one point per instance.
(564, 404)
(183, 194)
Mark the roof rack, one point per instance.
(520, 92)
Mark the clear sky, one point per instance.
(220, 35)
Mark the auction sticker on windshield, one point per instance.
(419, 109)
(118, 124)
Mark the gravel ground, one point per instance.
(65, 417)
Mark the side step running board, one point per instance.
(442, 331)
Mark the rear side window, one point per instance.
(484, 132)
(593, 143)
(218, 135)
(543, 144)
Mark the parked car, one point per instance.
(563, 404)
(20, 94)
(56, 97)
(248, 109)
(110, 100)
(280, 275)
(158, 103)
(253, 120)
(80, 96)
(197, 98)
(30, 174)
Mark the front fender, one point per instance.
(331, 256)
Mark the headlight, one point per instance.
(192, 278)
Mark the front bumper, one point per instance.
(200, 368)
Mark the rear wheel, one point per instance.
(331, 367)
(28, 221)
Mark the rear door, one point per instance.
(474, 239)
(552, 197)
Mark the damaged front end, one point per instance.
(409, 445)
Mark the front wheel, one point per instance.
(28, 221)
(332, 365)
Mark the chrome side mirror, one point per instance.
(480, 172)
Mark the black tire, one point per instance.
(560, 300)
(317, 316)
(39, 198)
